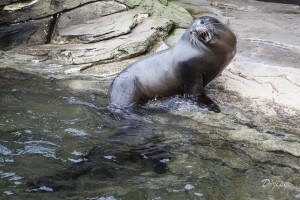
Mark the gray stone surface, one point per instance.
(30, 32)
(88, 12)
(41, 9)
(32, 24)
(80, 22)
(98, 29)
(7, 2)
(131, 3)
(137, 42)
(259, 93)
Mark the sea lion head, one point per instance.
(207, 31)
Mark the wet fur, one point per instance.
(183, 69)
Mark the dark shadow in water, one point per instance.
(136, 141)
(135, 145)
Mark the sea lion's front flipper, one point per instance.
(205, 102)
(194, 90)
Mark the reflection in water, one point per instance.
(137, 144)
(41, 122)
(66, 141)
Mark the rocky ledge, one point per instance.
(88, 31)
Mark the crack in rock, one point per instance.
(273, 43)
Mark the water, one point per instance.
(47, 129)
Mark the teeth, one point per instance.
(206, 36)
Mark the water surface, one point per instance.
(46, 127)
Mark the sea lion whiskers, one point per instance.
(202, 32)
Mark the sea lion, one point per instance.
(201, 54)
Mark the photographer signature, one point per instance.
(274, 184)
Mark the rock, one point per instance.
(113, 33)
(178, 15)
(98, 29)
(277, 86)
(201, 8)
(30, 22)
(41, 9)
(72, 28)
(30, 32)
(7, 2)
(19, 5)
(265, 68)
(162, 9)
(108, 70)
(88, 12)
(105, 20)
(295, 2)
(131, 3)
(173, 38)
(165, 2)
(141, 38)
(39, 31)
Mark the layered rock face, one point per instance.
(87, 31)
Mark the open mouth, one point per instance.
(205, 36)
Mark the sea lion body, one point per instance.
(201, 54)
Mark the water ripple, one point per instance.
(36, 149)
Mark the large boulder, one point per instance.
(89, 12)
(137, 42)
(84, 32)
(98, 29)
(39, 9)
(30, 32)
